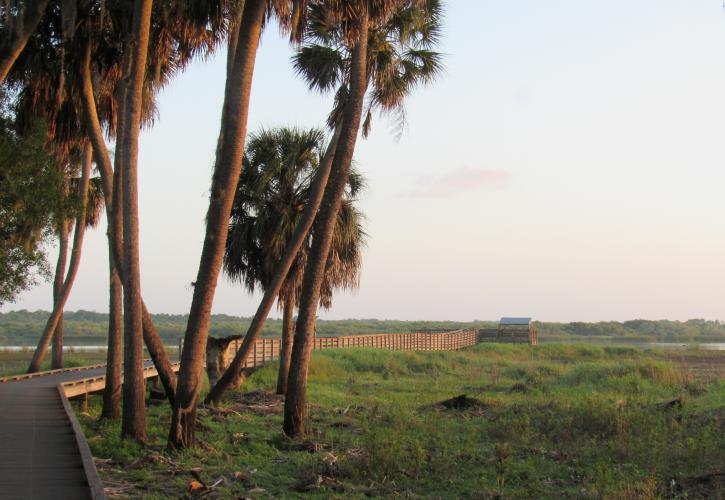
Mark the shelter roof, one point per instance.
(515, 321)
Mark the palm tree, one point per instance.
(348, 13)
(94, 205)
(179, 31)
(133, 423)
(61, 64)
(78, 234)
(227, 167)
(382, 45)
(294, 244)
(271, 196)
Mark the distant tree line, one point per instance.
(91, 328)
(638, 329)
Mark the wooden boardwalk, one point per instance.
(43, 454)
(267, 349)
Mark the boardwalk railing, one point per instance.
(265, 349)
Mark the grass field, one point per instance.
(558, 421)
(16, 362)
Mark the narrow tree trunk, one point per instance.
(272, 291)
(227, 168)
(133, 423)
(32, 15)
(113, 194)
(285, 352)
(159, 358)
(294, 407)
(232, 43)
(115, 218)
(57, 358)
(112, 391)
(75, 257)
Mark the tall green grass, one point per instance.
(556, 421)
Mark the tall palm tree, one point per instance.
(179, 31)
(227, 167)
(94, 205)
(386, 46)
(133, 423)
(285, 263)
(78, 235)
(272, 193)
(348, 15)
(62, 64)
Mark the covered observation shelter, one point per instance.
(513, 330)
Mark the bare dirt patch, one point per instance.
(257, 402)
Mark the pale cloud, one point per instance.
(460, 180)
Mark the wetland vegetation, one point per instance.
(566, 421)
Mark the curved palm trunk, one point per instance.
(78, 234)
(224, 182)
(294, 407)
(34, 11)
(271, 293)
(133, 423)
(111, 181)
(57, 358)
(285, 352)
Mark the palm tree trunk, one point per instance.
(114, 356)
(224, 182)
(113, 194)
(111, 183)
(133, 423)
(271, 293)
(294, 407)
(32, 15)
(57, 358)
(285, 352)
(75, 257)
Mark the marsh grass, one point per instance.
(16, 362)
(557, 421)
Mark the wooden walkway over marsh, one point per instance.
(43, 453)
(267, 349)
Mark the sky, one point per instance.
(568, 165)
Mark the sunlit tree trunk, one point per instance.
(114, 356)
(112, 192)
(20, 35)
(271, 293)
(133, 424)
(57, 356)
(285, 351)
(75, 257)
(294, 408)
(227, 168)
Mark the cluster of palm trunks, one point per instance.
(103, 65)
